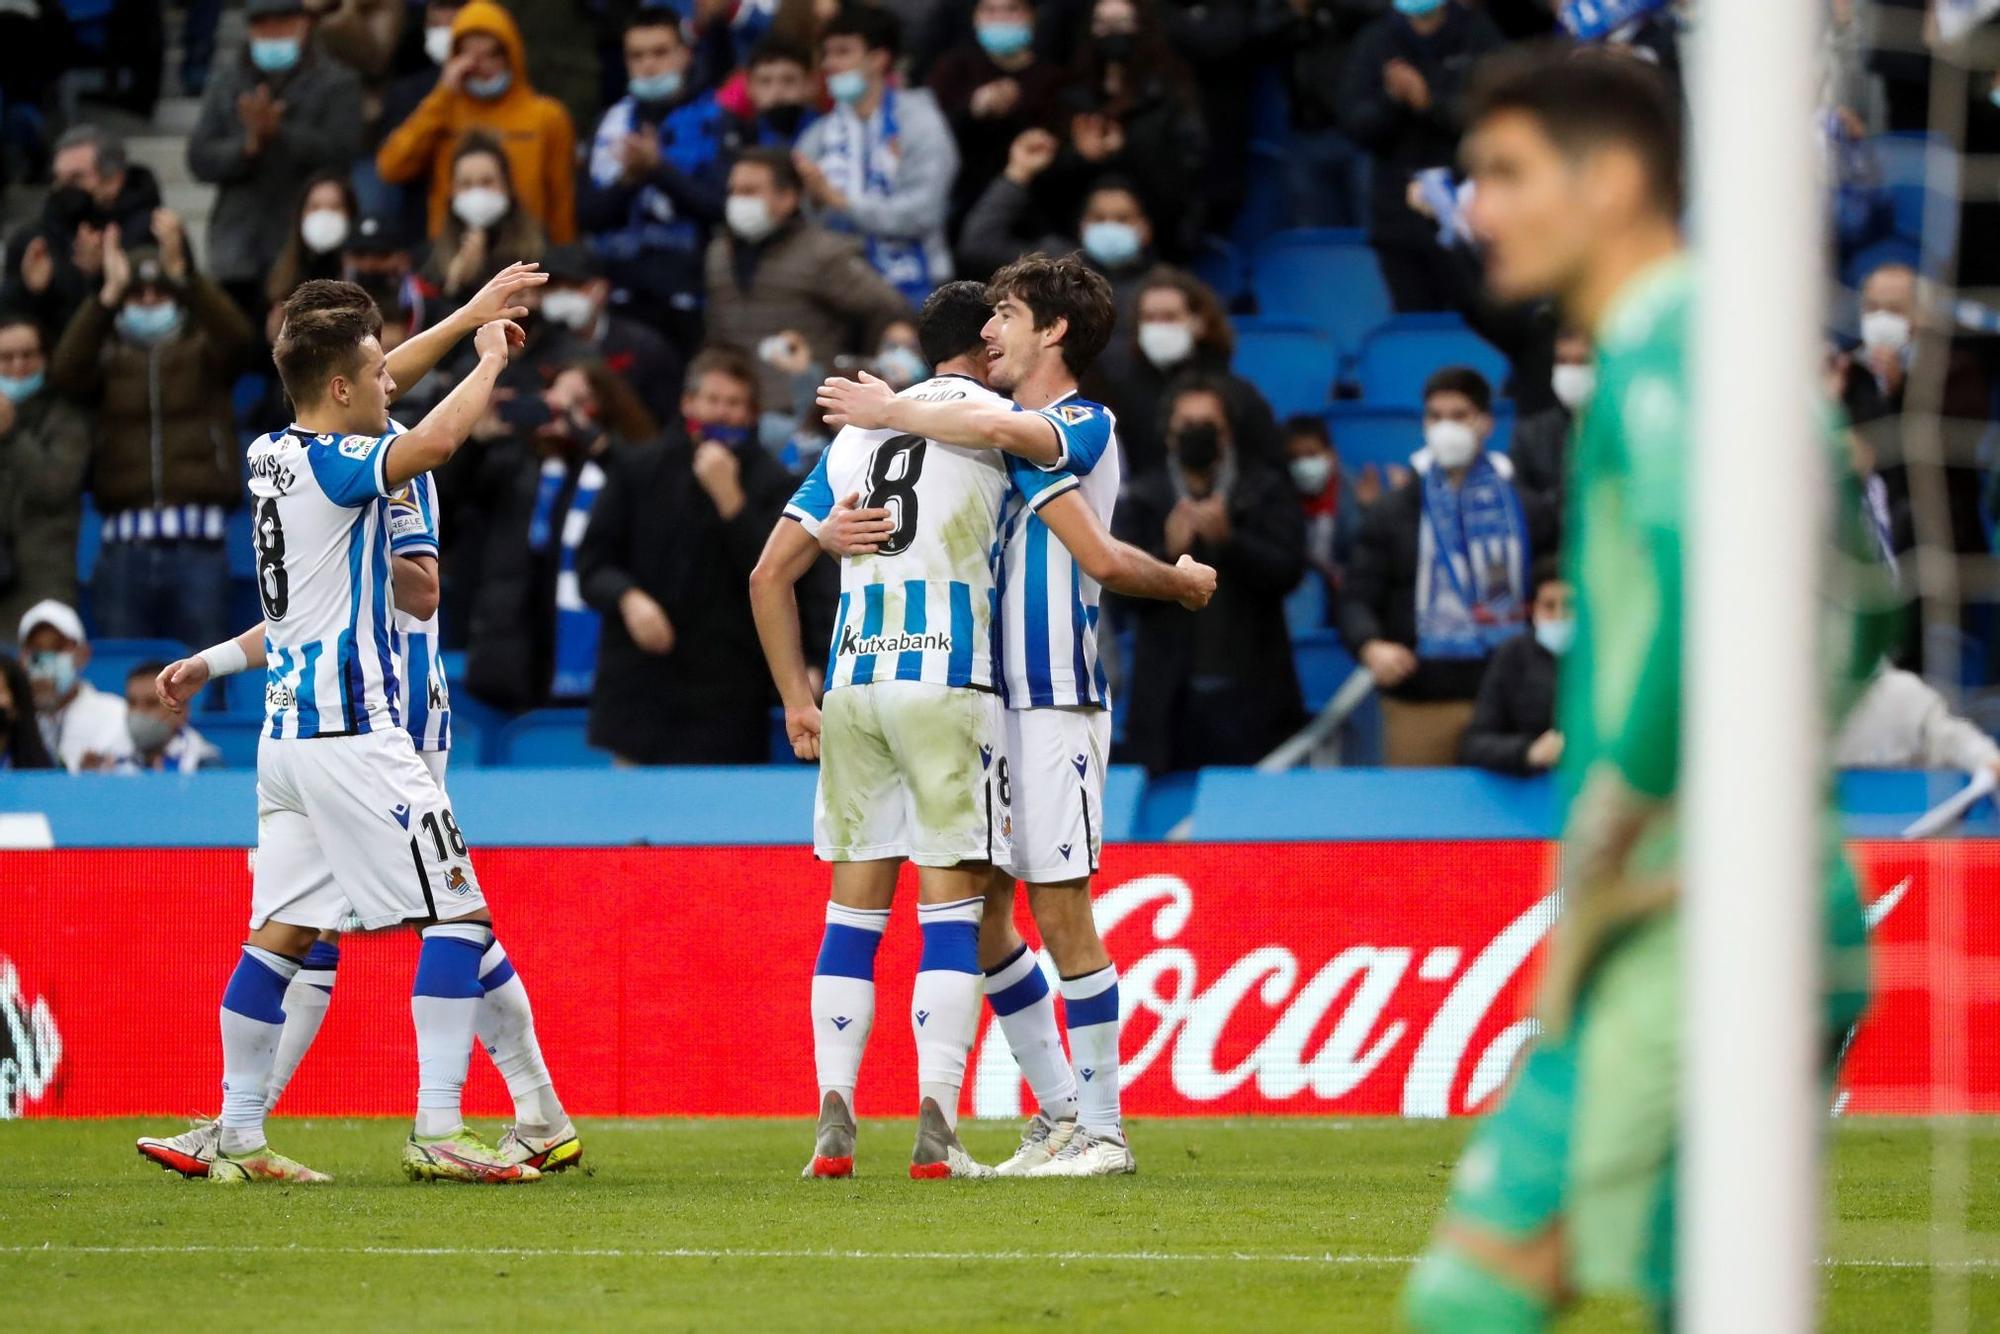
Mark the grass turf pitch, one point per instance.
(1267, 1224)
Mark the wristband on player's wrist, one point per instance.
(224, 659)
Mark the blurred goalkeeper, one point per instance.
(1568, 1187)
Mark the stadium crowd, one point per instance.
(735, 198)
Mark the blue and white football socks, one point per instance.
(843, 996)
(944, 1003)
(1091, 1002)
(253, 1015)
(1026, 1009)
(306, 1000)
(506, 1028)
(444, 1003)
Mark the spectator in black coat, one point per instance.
(56, 261)
(1513, 728)
(1326, 172)
(1401, 99)
(21, 744)
(1218, 688)
(991, 87)
(1541, 439)
(1178, 328)
(578, 299)
(667, 563)
(1415, 609)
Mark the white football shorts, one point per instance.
(1056, 760)
(356, 822)
(913, 770)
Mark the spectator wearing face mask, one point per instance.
(777, 272)
(413, 85)
(162, 741)
(1438, 578)
(991, 88)
(1541, 439)
(487, 229)
(668, 554)
(44, 459)
(279, 112)
(1400, 99)
(153, 357)
(1327, 499)
(882, 163)
(899, 357)
(55, 262)
(21, 744)
(1513, 719)
(377, 256)
(321, 225)
(484, 87)
(82, 727)
(658, 174)
(779, 88)
(1219, 687)
(1178, 327)
(534, 489)
(578, 299)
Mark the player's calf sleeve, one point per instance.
(843, 996)
(444, 1004)
(505, 1025)
(1026, 1010)
(1448, 1293)
(1091, 1006)
(306, 999)
(944, 1003)
(253, 1014)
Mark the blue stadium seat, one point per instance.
(1306, 606)
(1291, 363)
(236, 738)
(1364, 434)
(1895, 250)
(1502, 440)
(1907, 167)
(1398, 357)
(1323, 662)
(111, 659)
(1328, 277)
(1267, 204)
(550, 738)
(238, 545)
(1220, 265)
(89, 537)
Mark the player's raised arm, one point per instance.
(869, 404)
(1120, 566)
(788, 553)
(431, 443)
(499, 299)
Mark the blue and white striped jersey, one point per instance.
(1048, 605)
(322, 546)
(923, 607)
(426, 703)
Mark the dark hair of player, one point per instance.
(722, 359)
(1461, 380)
(1065, 289)
(951, 320)
(772, 50)
(1548, 570)
(878, 29)
(1584, 100)
(325, 323)
(777, 161)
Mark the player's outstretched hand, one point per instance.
(861, 403)
(1200, 585)
(496, 336)
(802, 730)
(499, 299)
(852, 531)
(179, 682)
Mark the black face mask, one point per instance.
(1116, 47)
(785, 118)
(1198, 446)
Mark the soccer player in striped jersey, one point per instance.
(1049, 320)
(542, 1135)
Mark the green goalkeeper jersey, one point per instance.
(1620, 699)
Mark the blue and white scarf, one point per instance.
(861, 159)
(1472, 562)
(576, 624)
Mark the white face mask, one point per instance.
(569, 308)
(479, 207)
(1311, 473)
(749, 216)
(1166, 343)
(323, 230)
(437, 43)
(1452, 444)
(1556, 635)
(1573, 383)
(1885, 331)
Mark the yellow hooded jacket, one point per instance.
(535, 131)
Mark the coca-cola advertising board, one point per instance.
(1382, 978)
